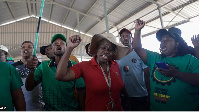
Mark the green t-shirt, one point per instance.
(57, 95)
(9, 81)
(169, 93)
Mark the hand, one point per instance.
(74, 41)
(32, 62)
(171, 72)
(195, 40)
(139, 24)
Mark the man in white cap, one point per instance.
(3, 53)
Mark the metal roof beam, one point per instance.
(86, 13)
(51, 12)
(167, 9)
(120, 3)
(68, 12)
(8, 5)
(28, 7)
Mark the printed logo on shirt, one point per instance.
(161, 79)
(134, 60)
(160, 95)
(117, 73)
(126, 68)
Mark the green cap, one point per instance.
(9, 59)
(56, 36)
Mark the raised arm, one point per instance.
(62, 72)
(137, 45)
(30, 83)
(195, 42)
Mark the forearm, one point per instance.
(62, 69)
(30, 82)
(191, 78)
(81, 99)
(196, 51)
(18, 100)
(137, 40)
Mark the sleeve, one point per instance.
(151, 58)
(16, 81)
(38, 74)
(194, 64)
(77, 70)
(143, 65)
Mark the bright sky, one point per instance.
(188, 30)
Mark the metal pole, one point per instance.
(38, 28)
(79, 35)
(161, 20)
(106, 17)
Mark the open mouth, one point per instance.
(25, 51)
(104, 57)
(59, 48)
(163, 49)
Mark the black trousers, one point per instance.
(135, 103)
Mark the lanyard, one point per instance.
(108, 79)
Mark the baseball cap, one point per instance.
(42, 49)
(175, 30)
(163, 32)
(56, 36)
(123, 30)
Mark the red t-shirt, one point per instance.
(97, 90)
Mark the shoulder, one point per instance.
(17, 63)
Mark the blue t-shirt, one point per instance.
(131, 68)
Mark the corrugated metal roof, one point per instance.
(121, 13)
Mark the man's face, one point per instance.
(59, 47)
(3, 56)
(126, 39)
(26, 50)
(49, 52)
(168, 46)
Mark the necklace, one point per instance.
(110, 105)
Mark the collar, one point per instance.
(52, 63)
(94, 62)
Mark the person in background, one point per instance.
(3, 53)
(57, 95)
(101, 74)
(32, 98)
(47, 50)
(87, 49)
(187, 49)
(175, 87)
(10, 60)
(133, 69)
(11, 95)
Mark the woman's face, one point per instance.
(105, 51)
(168, 46)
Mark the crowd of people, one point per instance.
(120, 76)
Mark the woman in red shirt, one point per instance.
(101, 74)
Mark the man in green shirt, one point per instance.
(175, 88)
(11, 94)
(57, 95)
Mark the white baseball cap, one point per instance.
(4, 48)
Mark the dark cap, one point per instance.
(56, 36)
(174, 30)
(123, 30)
(163, 32)
(27, 42)
(42, 49)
